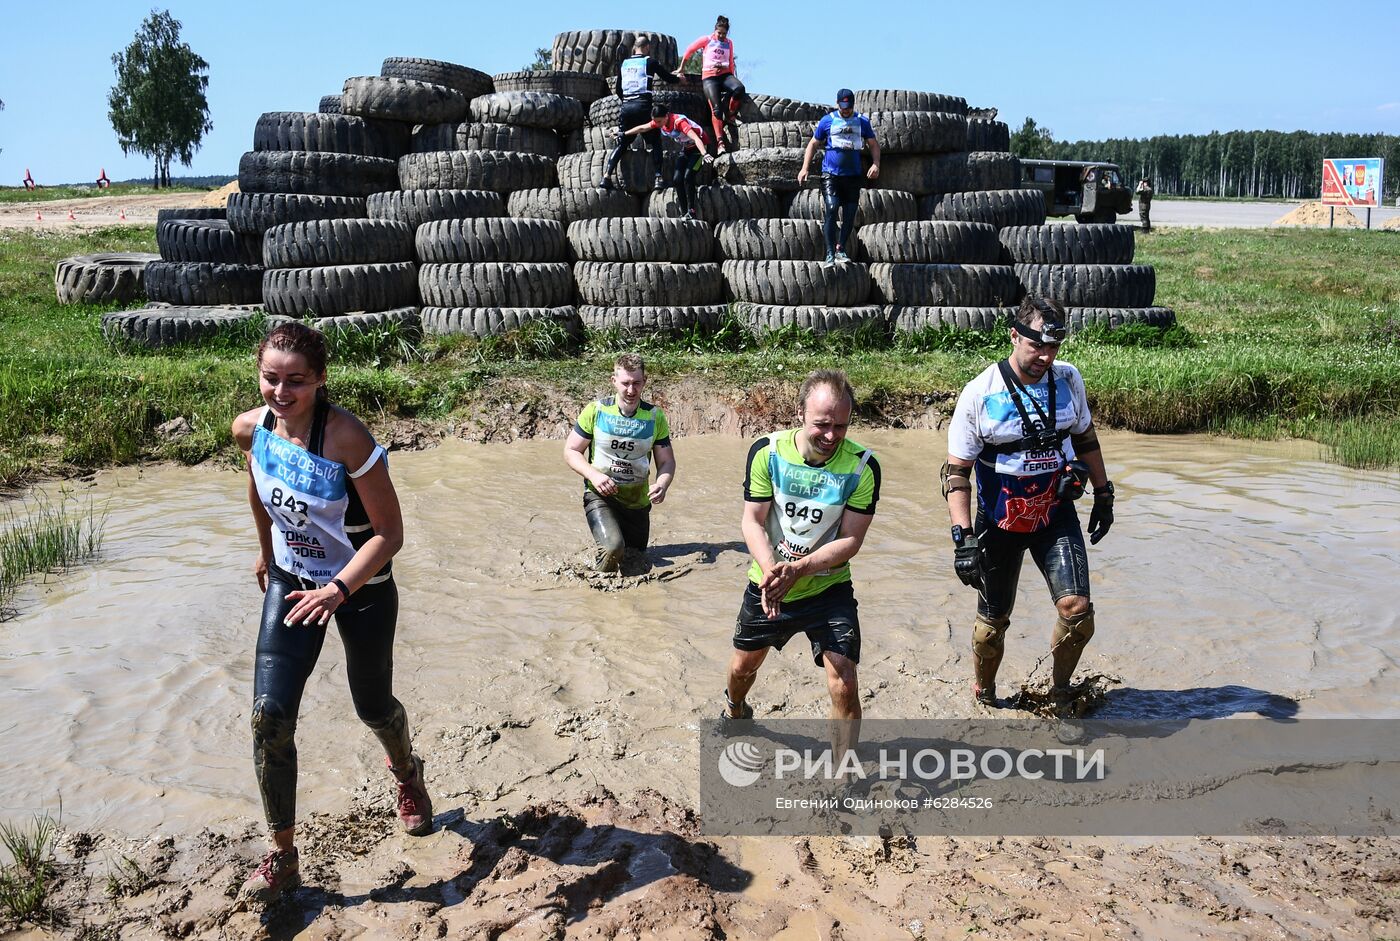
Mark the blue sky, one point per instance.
(1182, 67)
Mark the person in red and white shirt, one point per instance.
(688, 162)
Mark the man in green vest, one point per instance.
(611, 447)
(809, 497)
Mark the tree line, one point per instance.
(1233, 163)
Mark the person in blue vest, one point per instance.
(636, 81)
(612, 446)
(809, 498)
(328, 525)
(1024, 423)
(844, 134)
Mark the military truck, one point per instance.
(1089, 190)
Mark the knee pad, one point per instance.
(272, 727)
(1074, 631)
(989, 636)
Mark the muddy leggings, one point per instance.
(616, 528)
(688, 163)
(725, 93)
(284, 661)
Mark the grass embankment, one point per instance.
(1284, 333)
(18, 194)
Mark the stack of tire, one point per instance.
(486, 276)
(985, 182)
(924, 138)
(776, 274)
(430, 187)
(1088, 268)
(939, 274)
(773, 139)
(342, 273)
(646, 274)
(771, 144)
(208, 279)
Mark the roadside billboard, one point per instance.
(1352, 182)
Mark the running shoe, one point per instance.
(415, 807)
(607, 183)
(842, 258)
(277, 873)
(728, 724)
(829, 261)
(986, 696)
(658, 183)
(692, 213)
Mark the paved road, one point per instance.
(1233, 215)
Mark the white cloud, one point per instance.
(1389, 106)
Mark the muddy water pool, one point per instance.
(1240, 579)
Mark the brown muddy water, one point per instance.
(1240, 578)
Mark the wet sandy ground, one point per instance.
(1228, 587)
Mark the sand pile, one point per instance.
(1391, 223)
(219, 197)
(1315, 213)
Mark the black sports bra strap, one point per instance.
(318, 428)
(269, 420)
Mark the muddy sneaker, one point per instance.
(728, 724)
(277, 873)
(1060, 701)
(415, 807)
(987, 696)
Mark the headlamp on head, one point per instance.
(1049, 332)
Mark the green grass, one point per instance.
(26, 879)
(1283, 333)
(39, 536)
(18, 194)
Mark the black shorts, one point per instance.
(829, 620)
(841, 190)
(1057, 550)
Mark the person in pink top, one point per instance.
(723, 89)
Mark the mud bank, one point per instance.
(517, 409)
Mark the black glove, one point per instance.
(967, 563)
(1101, 517)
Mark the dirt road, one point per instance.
(1234, 215)
(96, 211)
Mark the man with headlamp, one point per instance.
(1024, 423)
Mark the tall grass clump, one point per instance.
(26, 879)
(44, 538)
